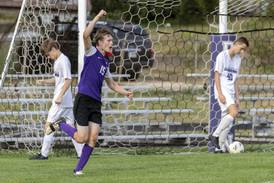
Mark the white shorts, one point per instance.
(230, 99)
(56, 112)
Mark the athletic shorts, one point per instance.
(230, 99)
(87, 109)
(56, 112)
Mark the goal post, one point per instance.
(219, 42)
(7, 61)
(222, 16)
(82, 17)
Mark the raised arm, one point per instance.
(90, 27)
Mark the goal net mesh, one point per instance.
(165, 64)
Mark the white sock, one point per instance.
(223, 139)
(47, 144)
(78, 147)
(224, 132)
(225, 122)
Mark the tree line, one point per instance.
(189, 12)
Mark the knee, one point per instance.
(46, 125)
(233, 113)
(92, 141)
(82, 139)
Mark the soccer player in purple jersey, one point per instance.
(87, 103)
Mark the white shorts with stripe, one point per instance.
(56, 112)
(230, 99)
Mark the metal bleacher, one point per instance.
(106, 112)
(26, 95)
(261, 76)
(104, 100)
(124, 126)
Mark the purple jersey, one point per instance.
(96, 66)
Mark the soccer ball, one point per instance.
(236, 147)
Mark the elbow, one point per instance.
(216, 75)
(114, 87)
(111, 86)
(86, 34)
(68, 81)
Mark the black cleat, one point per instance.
(38, 157)
(215, 141)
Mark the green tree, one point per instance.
(194, 11)
(190, 11)
(113, 7)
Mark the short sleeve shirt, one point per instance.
(229, 69)
(95, 70)
(62, 71)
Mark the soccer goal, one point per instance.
(168, 66)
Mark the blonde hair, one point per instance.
(99, 36)
(48, 44)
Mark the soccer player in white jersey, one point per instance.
(226, 90)
(62, 100)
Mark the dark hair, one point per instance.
(48, 44)
(242, 40)
(100, 35)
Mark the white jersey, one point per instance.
(228, 69)
(62, 71)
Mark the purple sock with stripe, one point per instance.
(68, 129)
(86, 152)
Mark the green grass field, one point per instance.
(179, 168)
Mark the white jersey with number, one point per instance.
(229, 69)
(62, 71)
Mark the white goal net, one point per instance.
(165, 64)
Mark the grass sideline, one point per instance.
(178, 168)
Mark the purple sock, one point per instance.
(68, 129)
(86, 152)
